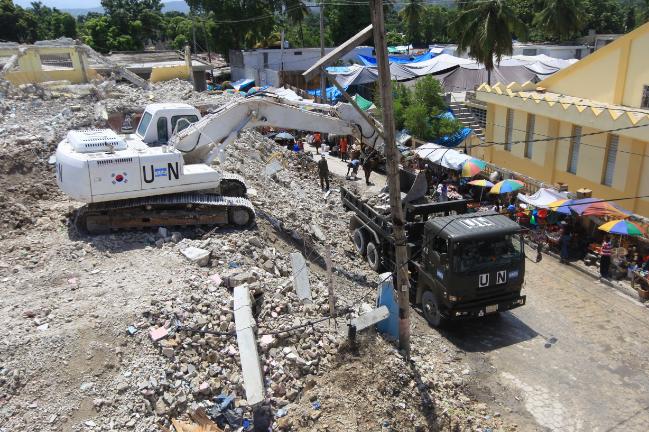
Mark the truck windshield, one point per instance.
(481, 254)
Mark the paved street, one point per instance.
(575, 358)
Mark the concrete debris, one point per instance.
(301, 277)
(181, 353)
(200, 257)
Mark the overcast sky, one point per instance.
(66, 4)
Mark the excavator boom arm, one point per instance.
(201, 141)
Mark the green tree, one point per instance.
(485, 28)
(560, 19)
(51, 23)
(428, 92)
(417, 121)
(604, 16)
(345, 20)
(435, 24)
(16, 24)
(296, 11)
(411, 17)
(630, 22)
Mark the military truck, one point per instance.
(460, 264)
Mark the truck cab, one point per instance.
(472, 265)
(161, 120)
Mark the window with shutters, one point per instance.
(573, 154)
(645, 97)
(609, 162)
(509, 129)
(529, 135)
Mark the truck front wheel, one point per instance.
(360, 241)
(431, 308)
(373, 257)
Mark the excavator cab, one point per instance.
(162, 120)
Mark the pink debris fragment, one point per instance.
(158, 333)
(72, 281)
(216, 279)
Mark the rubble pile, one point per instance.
(131, 330)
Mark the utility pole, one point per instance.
(194, 32)
(392, 164)
(323, 81)
(281, 48)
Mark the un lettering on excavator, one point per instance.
(151, 173)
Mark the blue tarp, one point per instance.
(242, 84)
(371, 61)
(332, 93)
(455, 139)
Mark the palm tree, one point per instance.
(484, 28)
(412, 14)
(296, 11)
(560, 18)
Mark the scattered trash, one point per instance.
(281, 412)
(316, 405)
(224, 401)
(233, 265)
(131, 330)
(43, 327)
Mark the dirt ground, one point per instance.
(67, 362)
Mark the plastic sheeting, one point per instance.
(332, 93)
(371, 61)
(443, 156)
(543, 197)
(364, 104)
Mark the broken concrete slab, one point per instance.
(301, 277)
(253, 382)
(198, 256)
(370, 318)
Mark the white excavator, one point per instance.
(162, 175)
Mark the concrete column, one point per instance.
(551, 149)
(634, 172)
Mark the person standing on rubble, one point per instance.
(343, 149)
(323, 172)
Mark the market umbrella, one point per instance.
(560, 206)
(284, 136)
(481, 183)
(622, 227)
(506, 186)
(472, 167)
(601, 208)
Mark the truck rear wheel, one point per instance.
(360, 241)
(373, 256)
(431, 307)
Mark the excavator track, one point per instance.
(183, 209)
(232, 185)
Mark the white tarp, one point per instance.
(443, 156)
(543, 197)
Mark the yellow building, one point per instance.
(586, 126)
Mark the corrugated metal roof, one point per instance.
(459, 227)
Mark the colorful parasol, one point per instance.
(481, 183)
(560, 206)
(622, 227)
(472, 167)
(506, 186)
(601, 208)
